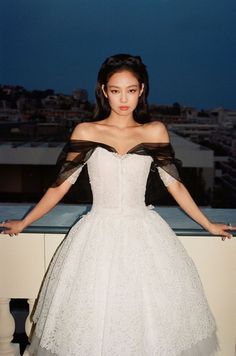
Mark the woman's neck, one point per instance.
(121, 122)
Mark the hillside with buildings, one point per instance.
(34, 125)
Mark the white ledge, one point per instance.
(63, 216)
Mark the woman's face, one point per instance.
(123, 91)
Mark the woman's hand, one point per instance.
(186, 202)
(221, 230)
(12, 227)
(47, 202)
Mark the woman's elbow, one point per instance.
(61, 189)
(175, 187)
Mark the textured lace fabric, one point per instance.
(76, 153)
(166, 177)
(121, 283)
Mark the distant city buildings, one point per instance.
(35, 124)
(214, 129)
(18, 105)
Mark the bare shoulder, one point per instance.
(83, 131)
(156, 131)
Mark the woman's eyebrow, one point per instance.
(129, 86)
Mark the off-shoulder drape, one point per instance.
(164, 161)
(72, 157)
(76, 153)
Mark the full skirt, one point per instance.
(122, 284)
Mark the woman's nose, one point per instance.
(123, 98)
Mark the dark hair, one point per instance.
(118, 63)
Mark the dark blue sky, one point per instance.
(189, 46)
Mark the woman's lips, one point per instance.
(124, 107)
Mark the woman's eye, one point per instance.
(114, 91)
(133, 90)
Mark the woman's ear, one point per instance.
(104, 91)
(141, 90)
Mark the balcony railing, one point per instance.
(24, 260)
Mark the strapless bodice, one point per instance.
(118, 181)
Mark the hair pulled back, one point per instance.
(118, 63)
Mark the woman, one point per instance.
(121, 283)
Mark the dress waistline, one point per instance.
(123, 210)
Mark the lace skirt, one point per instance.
(122, 286)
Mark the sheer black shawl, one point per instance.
(75, 154)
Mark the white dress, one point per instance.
(121, 283)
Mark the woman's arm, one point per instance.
(47, 202)
(158, 131)
(186, 202)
